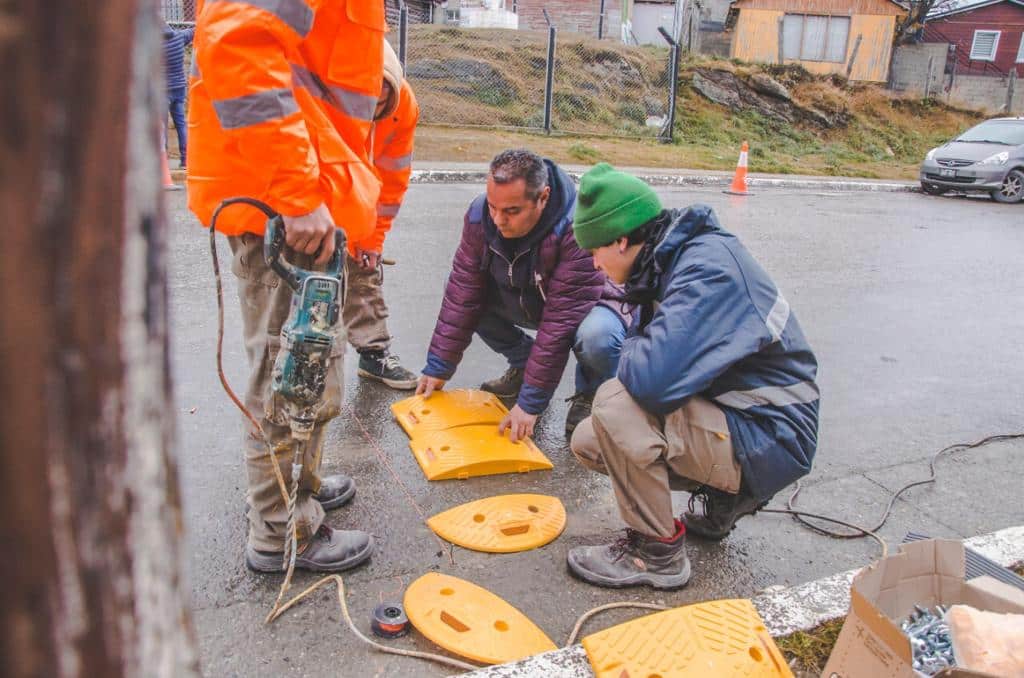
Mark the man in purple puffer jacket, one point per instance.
(518, 266)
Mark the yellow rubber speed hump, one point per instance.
(502, 524)
(470, 621)
(448, 409)
(719, 638)
(477, 450)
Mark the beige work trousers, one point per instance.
(265, 301)
(365, 313)
(647, 456)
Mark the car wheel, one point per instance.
(932, 189)
(1012, 189)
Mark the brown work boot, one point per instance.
(582, 404)
(633, 560)
(329, 550)
(507, 385)
(720, 512)
(335, 490)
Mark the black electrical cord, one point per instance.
(860, 532)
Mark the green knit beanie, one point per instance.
(611, 204)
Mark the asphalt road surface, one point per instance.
(913, 304)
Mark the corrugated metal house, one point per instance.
(986, 37)
(823, 36)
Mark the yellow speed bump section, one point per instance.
(502, 524)
(470, 621)
(448, 409)
(477, 450)
(719, 638)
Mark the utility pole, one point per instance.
(89, 498)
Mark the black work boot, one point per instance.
(578, 411)
(329, 550)
(633, 560)
(507, 385)
(336, 490)
(385, 367)
(721, 511)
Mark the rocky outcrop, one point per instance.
(763, 94)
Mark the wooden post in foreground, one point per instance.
(90, 516)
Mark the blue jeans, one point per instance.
(597, 345)
(176, 105)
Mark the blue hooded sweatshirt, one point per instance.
(721, 330)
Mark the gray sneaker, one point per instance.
(507, 385)
(329, 550)
(634, 560)
(386, 368)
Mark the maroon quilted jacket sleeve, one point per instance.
(573, 290)
(462, 306)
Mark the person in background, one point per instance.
(175, 42)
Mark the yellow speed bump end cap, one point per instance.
(478, 450)
(472, 622)
(718, 638)
(502, 524)
(448, 409)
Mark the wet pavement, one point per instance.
(914, 305)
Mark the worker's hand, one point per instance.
(367, 259)
(427, 385)
(311, 232)
(519, 424)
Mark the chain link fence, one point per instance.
(539, 80)
(179, 12)
(544, 80)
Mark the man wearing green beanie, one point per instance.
(715, 392)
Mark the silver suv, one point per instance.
(988, 157)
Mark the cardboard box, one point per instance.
(925, 573)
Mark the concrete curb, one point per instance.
(785, 611)
(479, 176)
(460, 176)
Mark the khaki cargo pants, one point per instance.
(647, 456)
(365, 313)
(265, 301)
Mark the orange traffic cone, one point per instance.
(169, 184)
(739, 180)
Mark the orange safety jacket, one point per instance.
(282, 99)
(392, 156)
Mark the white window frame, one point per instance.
(995, 44)
(829, 17)
(1020, 50)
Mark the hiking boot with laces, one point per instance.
(329, 550)
(385, 367)
(578, 411)
(633, 560)
(507, 385)
(720, 512)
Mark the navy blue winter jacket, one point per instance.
(721, 330)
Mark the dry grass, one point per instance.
(607, 88)
(811, 649)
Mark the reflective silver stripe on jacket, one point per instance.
(775, 396)
(778, 317)
(352, 104)
(296, 14)
(388, 209)
(393, 164)
(253, 109)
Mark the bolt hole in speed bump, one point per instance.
(457, 436)
(472, 622)
(503, 524)
(718, 638)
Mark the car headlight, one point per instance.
(997, 159)
(931, 154)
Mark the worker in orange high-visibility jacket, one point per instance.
(365, 313)
(282, 101)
